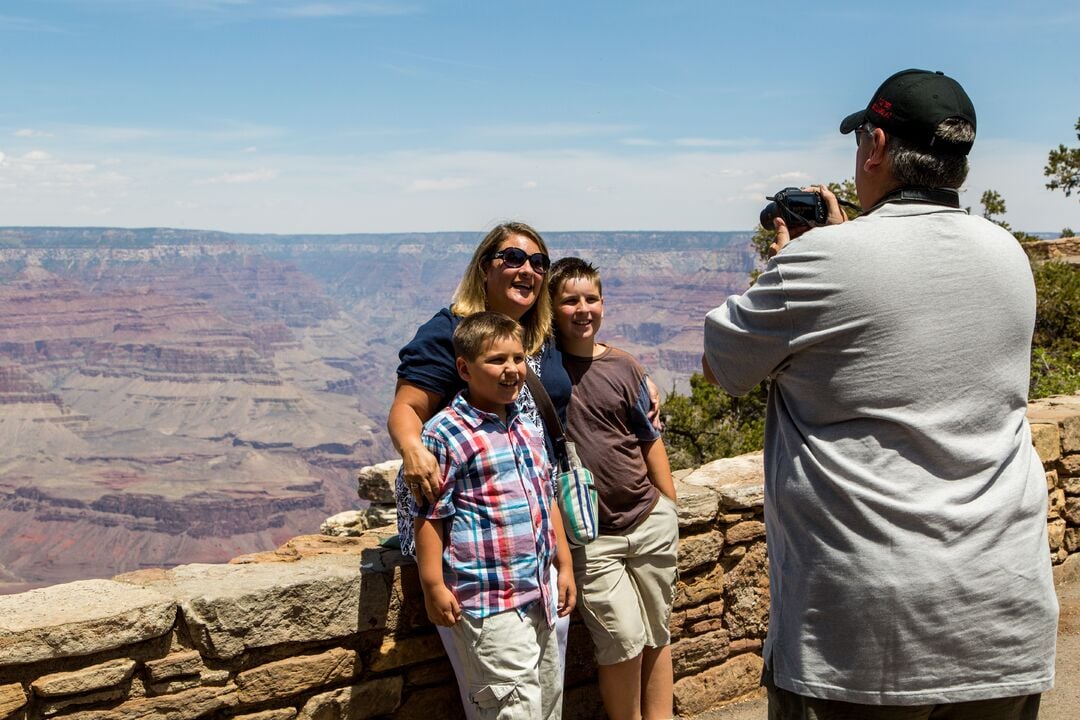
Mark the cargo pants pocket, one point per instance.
(496, 701)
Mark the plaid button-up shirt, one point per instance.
(496, 502)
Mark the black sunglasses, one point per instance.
(514, 257)
(860, 131)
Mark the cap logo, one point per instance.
(882, 108)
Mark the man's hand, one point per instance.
(833, 216)
(442, 607)
(421, 473)
(654, 405)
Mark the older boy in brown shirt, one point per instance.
(625, 577)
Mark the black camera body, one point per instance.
(798, 208)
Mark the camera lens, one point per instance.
(768, 214)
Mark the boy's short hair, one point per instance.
(477, 331)
(572, 268)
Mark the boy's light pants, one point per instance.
(562, 629)
(510, 662)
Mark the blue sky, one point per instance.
(338, 116)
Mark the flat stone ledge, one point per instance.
(697, 505)
(80, 618)
(179, 664)
(376, 482)
(294, 675)
(1063, 410)
(282, 714)
(12, 698)
(1046, 437)
(702, 692)
(186, 705)
(305, 546)
(229, 609)
(91, 679)
(369, 699)
(1068, 571)
(739, 481)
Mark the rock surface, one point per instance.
(171, 396)
(80, 618)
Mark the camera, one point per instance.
(798, 208)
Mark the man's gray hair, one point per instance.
(919, 167)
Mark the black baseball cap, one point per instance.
(911, 104)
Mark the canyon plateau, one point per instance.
(177, 396)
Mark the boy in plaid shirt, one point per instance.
(485, 546)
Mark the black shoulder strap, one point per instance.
(930, 196)
(552, 425)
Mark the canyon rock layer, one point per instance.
(172, 396)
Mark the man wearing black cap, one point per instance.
(904, 504)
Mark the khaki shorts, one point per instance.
(626, 583)
(510, 661)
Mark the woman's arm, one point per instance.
(656, 462)
(412, 407)
(564, 564)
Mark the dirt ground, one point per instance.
(1061, 703)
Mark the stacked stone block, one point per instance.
(1055, 431)
(334, 628)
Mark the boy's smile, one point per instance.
(496, 376)
(579, 312)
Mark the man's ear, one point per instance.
(462, 368)
(876, 157)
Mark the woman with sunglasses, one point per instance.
(507, 274)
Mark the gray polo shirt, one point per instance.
(905, 506)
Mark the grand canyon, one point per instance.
(176, 396)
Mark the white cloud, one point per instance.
(109, 134)
(239, 10)
(549, 130)
(30, 133)
(94, 211)
(440, 185)
(235, 132)
(715, 143)
(663, 91)
(241, 178)
(76, 168)
(22, 24)
(639, 142)
(343, 9)
(400, 69)
(226, 132)
(793, 176)
(667, 189)
(35, 156)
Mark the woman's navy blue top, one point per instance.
(428, 362)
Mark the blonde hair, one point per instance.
(471, 294)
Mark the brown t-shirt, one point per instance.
(607, 420)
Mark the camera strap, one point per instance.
(929, 196)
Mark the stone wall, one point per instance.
(1066, 250)
(328, 628)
